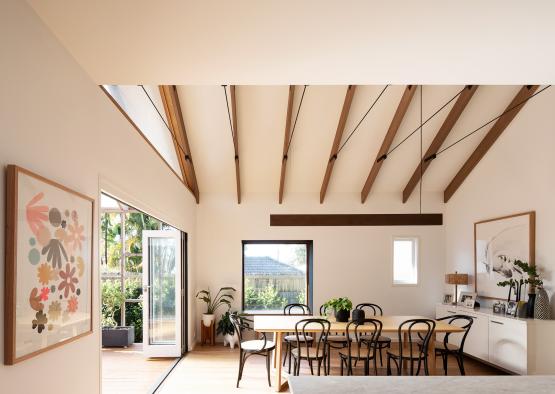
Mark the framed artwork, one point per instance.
(467, 299)
(511, 237)
(447, 298)
(48, 289)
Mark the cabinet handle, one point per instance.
(496, 322)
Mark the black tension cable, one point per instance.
(187, 157)
(295, 123)
(434, 155)
(361, 120)
(385, 155)
(229, 113)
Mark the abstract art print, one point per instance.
(48, 289)
(495, 242)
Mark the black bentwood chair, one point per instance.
(290, 339)
(334, 340)
(412, 350)
(305, 350)
(375, 310)
(444, 348)
(363, 346)
(260, 347)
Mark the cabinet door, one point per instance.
(507, 344)
(476, 343)
(443, 311)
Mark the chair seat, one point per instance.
(355, 351)
(406, 352)
(257, 345)
(293, 338)
(440, 346)
(336, 338)
(381, 338)
(308, 353)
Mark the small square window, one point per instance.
(405, 261)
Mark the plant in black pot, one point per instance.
(112, 301)
(342, 307)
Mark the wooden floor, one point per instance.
(213, 369)
(128, 371)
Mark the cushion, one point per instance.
(257, 345)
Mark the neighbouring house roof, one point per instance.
(267, 266)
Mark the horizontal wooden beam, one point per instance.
(439, 139)
(493, 134)
(378, 219)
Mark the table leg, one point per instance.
(279, 384)
(275, 357)
(432, 355)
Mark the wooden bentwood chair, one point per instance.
(260, 347)
(305, 350)
(290, 339)
(412, 349)
(383, 342)
(362, 347)
(334, 340)
(444, 348)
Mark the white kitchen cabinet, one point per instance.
(508, 344)
(477, 340)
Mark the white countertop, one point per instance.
(421, 384)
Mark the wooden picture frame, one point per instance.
(516, 238)
(48, 288)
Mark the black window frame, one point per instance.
(309, 268)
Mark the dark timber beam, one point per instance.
(172, 107)
(337, 140)
(235, 141)
(439, 139)
(286, 139)
(388, 139)
(496, 130)
(424, 219)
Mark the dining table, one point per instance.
(280, 325)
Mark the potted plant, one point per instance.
(225, 327)
(342, 307)
(113, 300)
(212, 304)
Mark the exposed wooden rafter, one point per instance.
(496, 130)
(377, 219)
(439, 139)
(337, 140)
(286, 139)
(235, 141)
(172, 108)
(388, 139)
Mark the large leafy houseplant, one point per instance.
(223, 297)
(342, 307)
(112, 301)
(225, 327)
(529, 276)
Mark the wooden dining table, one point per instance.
(283, 324)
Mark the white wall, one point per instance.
(516, 175)
(348, 261)
(55, 121)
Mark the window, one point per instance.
(276, 273)
(405, 261)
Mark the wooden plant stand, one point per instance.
(208, 334)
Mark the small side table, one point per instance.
(208, 334)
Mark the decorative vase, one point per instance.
(207, 319)
(530, 305)
(542, 309)
(342, 315)
(358, 316)
(521, 309)
(231, 339)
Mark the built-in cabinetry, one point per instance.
(522, 346)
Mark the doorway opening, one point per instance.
(143, 274)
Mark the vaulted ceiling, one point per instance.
(261, 113)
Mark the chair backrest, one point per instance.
(317, 329)
(424, 328)
(463, 321)
(374, 308)
(367, 336)
(240, 324)
(323, 309)
(297, 309)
